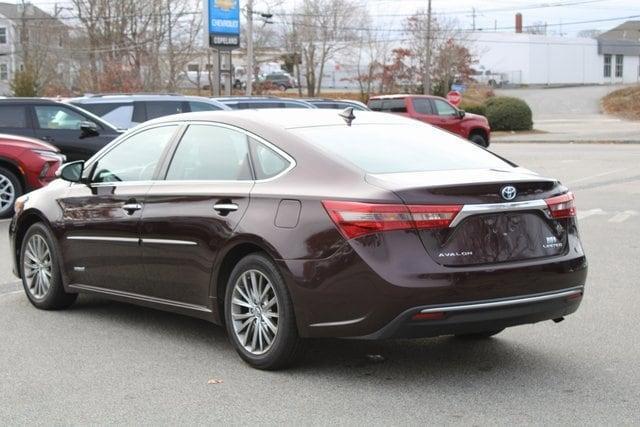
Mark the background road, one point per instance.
(106, 362)
(571, 114)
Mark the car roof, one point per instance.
(105, 98)
(284, 118)
(27, 101)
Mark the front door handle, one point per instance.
(225, 208)
(47, 138)
(132, 207)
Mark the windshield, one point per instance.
(378, 148)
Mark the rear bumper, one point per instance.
(481, 316)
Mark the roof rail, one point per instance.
(99, 95)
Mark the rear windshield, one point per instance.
(378, 148)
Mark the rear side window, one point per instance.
(394, 105)
(377, 148)
(267, 163)
(294, 105)
(422, 105)
(13, 116)
(375, 105)
(157, 109)
(259, 105)
(211, 153)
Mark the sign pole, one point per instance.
(222, 25)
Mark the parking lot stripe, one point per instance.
(622, 216)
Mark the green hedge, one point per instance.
(506, 113)
(474, 108)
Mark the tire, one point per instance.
(480, 335)
(479, 139)
(10, 190)
(250, 326)
(39, 255)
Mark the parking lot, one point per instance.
(106, 362)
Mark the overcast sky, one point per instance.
(489, 13)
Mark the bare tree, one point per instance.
(323, 28)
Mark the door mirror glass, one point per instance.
(71, 172)
(89, 129)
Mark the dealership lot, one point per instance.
(106, 362)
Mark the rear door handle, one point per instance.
(132, 207)
(224, 208)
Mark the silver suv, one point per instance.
(126, 111)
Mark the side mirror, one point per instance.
(89, 129)
(71, 172)
(461, 114)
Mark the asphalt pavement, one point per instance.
(104, 362)
(571, 114)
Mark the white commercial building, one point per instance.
(536, 59)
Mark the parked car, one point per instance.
(127, 111)
(25, 164)
(438, 112)
(77, 133)
(337, 104)
(262, 102)
(488, 77)
(282, 81)
(287, 224)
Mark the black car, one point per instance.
(280, 80)
(77, 133)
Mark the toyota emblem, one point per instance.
(509, 192)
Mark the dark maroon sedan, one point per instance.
(287, 224)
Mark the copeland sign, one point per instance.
(223, 23)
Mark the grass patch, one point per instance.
(623, 103)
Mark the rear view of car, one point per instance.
(25, 164)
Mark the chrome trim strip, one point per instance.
(503, 303)
(138, 297)
(105, 239)
(470, 210)
(170, 242)
(342, 323)
(232, 207)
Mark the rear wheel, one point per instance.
(40, 270)
(480, 335)
(259, 315)
(480, 139)
(10, 190)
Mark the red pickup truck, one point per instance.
(438, 112)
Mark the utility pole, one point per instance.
(426, 78)
(473, 17)
(249, 66)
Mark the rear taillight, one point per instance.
(356, 219)
(562, 206)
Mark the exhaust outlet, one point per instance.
(558, 320)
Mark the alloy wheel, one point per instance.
(255, 312)
(7, 193)
(37, 265)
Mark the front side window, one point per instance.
(3, 35)
(58, 117)
(202, 106)
(136, 158)
(211, 153)
(444, 108)
(607, 65)
(13, 116)
(4, 72)
(619, 65)
(267, 162)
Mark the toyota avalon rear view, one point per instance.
(283, 225)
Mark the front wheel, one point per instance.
(259, 315)
(479, 139)
(10, 190)
(40, 270)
